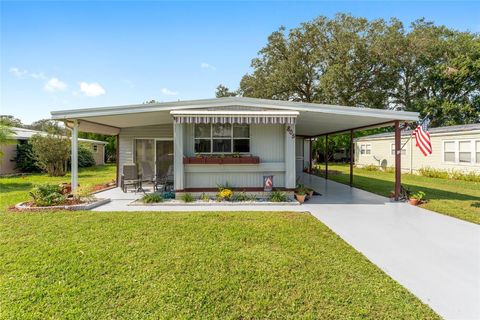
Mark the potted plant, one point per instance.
(300, 195)
(416, 198)
(309, 192)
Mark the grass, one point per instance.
(15, 189)
(456, 198)
(133, 265)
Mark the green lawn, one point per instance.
(85, 265)
(15, 189)
(456, 198)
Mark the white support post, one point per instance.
(290, 173)
(74, 170)
(178, 156)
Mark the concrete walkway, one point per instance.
(434, 256)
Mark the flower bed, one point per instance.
(221, 160)
(60, 197)
(73, 205)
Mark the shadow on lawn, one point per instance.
(15, 186)
(384, 187)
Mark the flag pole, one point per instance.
(423, 120)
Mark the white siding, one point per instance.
(381, 150)
(266, 142)
(128, 135)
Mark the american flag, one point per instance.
(422, 137)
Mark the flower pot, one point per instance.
(300, 197)
(413, 202)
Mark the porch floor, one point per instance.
(436, 257)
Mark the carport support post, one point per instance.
(178, 180)
(117, 158)
(74, 169)
(398, 163)
(310, 154)
(351, 158)
(326, 156)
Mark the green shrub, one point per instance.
(187, 197)
(452, 174)
(241, 196)
(371, 167)
(47, 195)
(152, 198)
(52, 153)
(85, 157)
(204, 197)
(433, 173)
(25, 158)
(278, 196)
(389, 169)
(466, 176)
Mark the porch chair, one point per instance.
(147, 173)
(165, 180)
(130, 177)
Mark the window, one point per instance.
(477, 151)
(465, 153)
(222, 138)
(368, 149)
(365, 149)
(392, 150)
(95, 148)
(449, 151)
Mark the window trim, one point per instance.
(392, 150)
(368, 147)
(473, 152)
(232, 138)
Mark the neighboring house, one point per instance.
(21, 135)
(453, 147)
(200, 141)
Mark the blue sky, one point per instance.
(59, 55)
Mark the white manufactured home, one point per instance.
(211, 142)
(453, 148)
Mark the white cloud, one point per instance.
(169, 92)
(205, 65)
(38, 76)
(54, 85)
(93, 89)
(19, 73)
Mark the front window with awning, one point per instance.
(222, 138)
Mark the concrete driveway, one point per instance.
(434, 256)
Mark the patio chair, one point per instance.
(147, 173)
(165, 181)
(130, 177)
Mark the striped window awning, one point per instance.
(235, 117)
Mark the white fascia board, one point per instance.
(235, 101)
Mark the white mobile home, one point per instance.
(231, 140)
(453, 148)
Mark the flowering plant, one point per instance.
(225, 194)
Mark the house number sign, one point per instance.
(290, 131)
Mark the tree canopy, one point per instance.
(371, 63)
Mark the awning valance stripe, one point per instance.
(244, 119)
